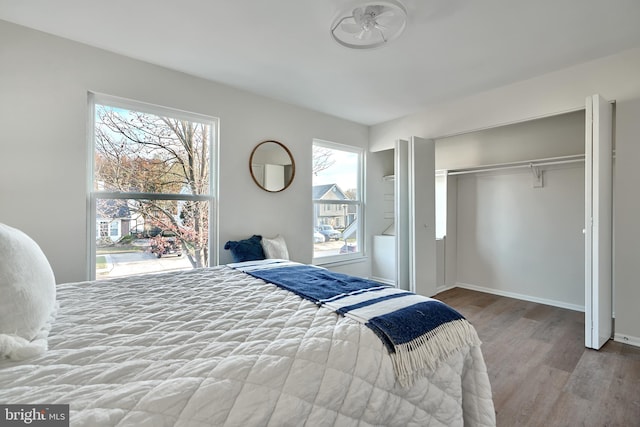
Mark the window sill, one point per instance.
(333, 262)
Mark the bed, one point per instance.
(218, 346)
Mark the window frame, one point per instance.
(93, 195)
(360, 254)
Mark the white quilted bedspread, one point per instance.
(217, 347)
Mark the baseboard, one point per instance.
(444, 288)
(523, 297)
(627, 339)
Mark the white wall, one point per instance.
(380, 206)
(614, 77)
(520, 240)
(626, 222)
(560, 135)
(512, 238)
(44, 82)
(451, 239)
(380, 203)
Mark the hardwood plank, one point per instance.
(526, 356)
(593, 374)
(626, 389)
(567, 349)
(538, 395)
(541, 374)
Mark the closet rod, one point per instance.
(517, 165)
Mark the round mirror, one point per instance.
(272, 166)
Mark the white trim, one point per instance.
(446, 288)
(333, 262)
(151, 196)
(91, 202)
(94, 98)
(361, 254)
(145, 107)
(590, 204)
(627, 339)
(523, 297)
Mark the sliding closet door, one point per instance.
(415, 215)
(598, 221)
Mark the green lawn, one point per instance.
(101, 262)
(118, 249)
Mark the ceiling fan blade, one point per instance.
(358, 15)
(385, 12)
(350, 27)
(388, 20)
(374, 10)
(364, 35)
(380, 28)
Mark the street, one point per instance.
(141, 262)
(128, 263)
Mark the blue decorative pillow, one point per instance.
(246, 250)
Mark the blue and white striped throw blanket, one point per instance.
(419, 332)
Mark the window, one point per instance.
(103, 227)
(152, 187)
(441, 204)
(114, 230)
(337, 201)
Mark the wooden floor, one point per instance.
(541, 374)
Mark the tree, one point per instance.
(351, 193)
(144, 153)
(322, 159)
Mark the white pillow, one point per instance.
(28, 290)
(275, 247)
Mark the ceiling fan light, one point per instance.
(357, 26)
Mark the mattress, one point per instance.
(218, 347)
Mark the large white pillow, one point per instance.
(275, 247)
(28, 295)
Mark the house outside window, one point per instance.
(337, 200)
(152, 196)
(114, 229)
(103, 228)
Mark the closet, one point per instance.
(404, 253)
(519, 209)
(528, 212)
(532, 212)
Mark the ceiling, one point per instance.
(283, 49)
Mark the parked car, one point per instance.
(317, 236)
(165, 245)
(329, 233)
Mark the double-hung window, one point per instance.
(152, 188)
(338, 208)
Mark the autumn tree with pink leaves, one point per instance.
(160, 165)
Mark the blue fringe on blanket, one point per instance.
(419, 332)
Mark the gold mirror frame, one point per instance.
(272, 166)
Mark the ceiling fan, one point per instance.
(369, 24)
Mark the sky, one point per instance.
(344, 171)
